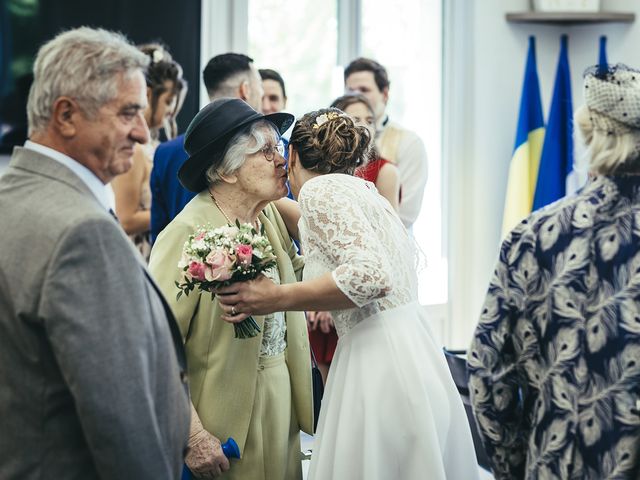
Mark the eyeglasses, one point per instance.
(269, 151)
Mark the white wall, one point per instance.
(485, 57)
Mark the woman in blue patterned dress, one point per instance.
(555, 361)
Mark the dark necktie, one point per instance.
(113, 214)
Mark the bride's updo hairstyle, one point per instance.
(328, 141)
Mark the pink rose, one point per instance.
(244, 254)
(200, 236)
(219, 264)
(196, 270)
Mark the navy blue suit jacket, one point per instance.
(168, 196)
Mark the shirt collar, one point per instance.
(95, 185)
(382, 125)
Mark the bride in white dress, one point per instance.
(390, 409)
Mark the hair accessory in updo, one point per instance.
(612, 95)
(324, 118)
(158, 55)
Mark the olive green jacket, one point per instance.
(222, 369)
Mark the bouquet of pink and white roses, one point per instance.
(217, 257)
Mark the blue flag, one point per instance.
(603, 65)
(556, 162)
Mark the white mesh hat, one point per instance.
(612, 95)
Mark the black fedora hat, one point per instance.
(210, 131)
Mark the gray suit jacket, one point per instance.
(92, 381)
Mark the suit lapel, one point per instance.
(173, 326)
(285, 270)
(37, 163)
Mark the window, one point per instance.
(297, 38)
(409, 45)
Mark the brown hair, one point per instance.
(336, 145)
(352, 98)
(367, 65)
(162, 68)
(170, 124)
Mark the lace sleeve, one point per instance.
(337, 228)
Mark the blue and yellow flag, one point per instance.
(523, 171)
(556, 163)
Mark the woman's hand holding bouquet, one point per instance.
(214, 258)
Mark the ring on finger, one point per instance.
(233, 310)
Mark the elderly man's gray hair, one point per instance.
(85, 64)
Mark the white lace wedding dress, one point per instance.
(390, 409)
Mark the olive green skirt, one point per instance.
(272, 449)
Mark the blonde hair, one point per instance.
(608, 153)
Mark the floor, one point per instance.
(306, 444)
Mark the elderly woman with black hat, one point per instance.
(555, 361)
(256, 390)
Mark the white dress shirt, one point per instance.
(410, 156)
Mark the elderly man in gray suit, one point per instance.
(92, 381)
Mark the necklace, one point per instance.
(215, 202)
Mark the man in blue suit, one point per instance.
(226, 75)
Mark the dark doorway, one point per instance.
(27, 24)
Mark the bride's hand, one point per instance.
(243, 299)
